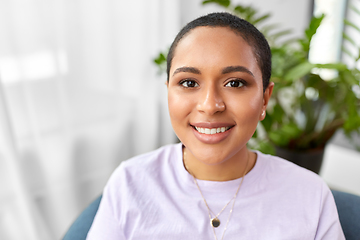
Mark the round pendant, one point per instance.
(215, 222)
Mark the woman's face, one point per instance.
(215, 94)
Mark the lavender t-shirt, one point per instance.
(152, 196)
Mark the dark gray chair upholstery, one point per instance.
(348, 206)
(79, 229)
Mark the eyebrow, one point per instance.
(231, 69)
(226, 70)
(187, 69)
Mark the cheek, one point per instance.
(249, 104)
(255, 103)
(256, 109)
(247, 111)
(179, 107)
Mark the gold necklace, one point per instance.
(215, 222)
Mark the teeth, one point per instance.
(211, 130)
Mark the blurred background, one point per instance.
(79, 93)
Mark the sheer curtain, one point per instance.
(354, 17)
(78, 94)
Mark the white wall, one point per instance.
(289, 14)
(340, 168)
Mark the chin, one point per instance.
(214, 154)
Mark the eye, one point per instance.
(235, 83)
(189, 83)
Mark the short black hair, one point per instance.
(246, 30)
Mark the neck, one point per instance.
(230, 169)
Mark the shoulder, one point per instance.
(281, 169)
(286, 179)
(152, 159)
(151, 163)
(302, 188)
(287, 193)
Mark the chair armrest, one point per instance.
(80, 227)
(348, 206)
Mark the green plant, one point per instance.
(305, 110)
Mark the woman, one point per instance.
(210, 186)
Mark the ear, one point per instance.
(266, 98)
(167, 83)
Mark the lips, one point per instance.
(212, 130)
(211, 133)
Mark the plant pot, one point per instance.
(310, 159)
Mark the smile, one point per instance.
(212, 130)
(212, 133)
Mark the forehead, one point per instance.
(214, 47)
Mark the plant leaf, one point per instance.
(281, 33)
(269, 27)
(278, 113)
(355, 9)
(266, 147)
(310, 31)
(349, 39)
(314, 25)
(250, 13)
(352, 123)
(289, 41)
(160, 59)
(350, 24)
(246, 13)
(284, 134)
(262, 18)
(255, 134)
(299, 71)
(349, 78)
(224, 3)
(240, 9)
(347, 52)
(267, 122)
(337, 66)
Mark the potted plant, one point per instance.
(305, 110)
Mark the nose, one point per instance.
(210, 101)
